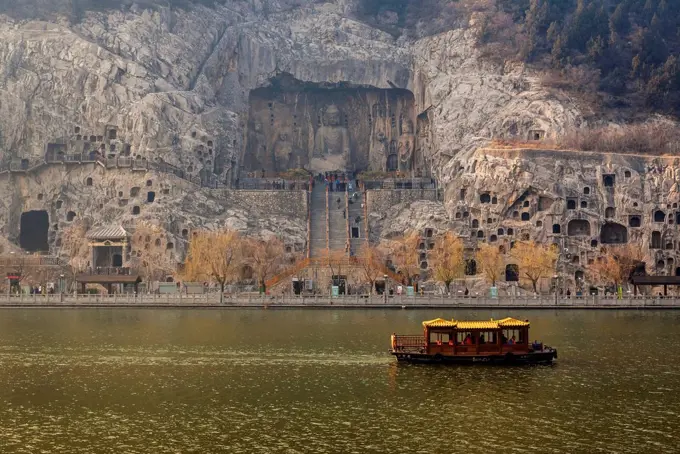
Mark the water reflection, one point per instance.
(321, 381)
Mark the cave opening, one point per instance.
(327, 126)
(613, 233)
(33, 231)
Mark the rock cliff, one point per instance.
(174, 85)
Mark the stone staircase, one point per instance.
(337, 221)
(318, 226)
(356, 212)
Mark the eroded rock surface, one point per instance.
(191, 87)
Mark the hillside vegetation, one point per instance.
(628, 49)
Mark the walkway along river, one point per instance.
(354, 301)
(311, 381)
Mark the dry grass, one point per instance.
(648, 138)
(509, 144)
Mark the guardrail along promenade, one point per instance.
(212, 300)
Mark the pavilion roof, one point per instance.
(107, 233)
(507, 322)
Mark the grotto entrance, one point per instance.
(34, 226)
(332, 127)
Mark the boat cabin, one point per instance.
(443, 340)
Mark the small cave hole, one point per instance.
(659, 216)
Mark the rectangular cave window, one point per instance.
(33, 231)
(608, 180)
(150, 196)
(355, 232)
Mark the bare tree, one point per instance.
(214, 255)
(404, 253)
(371, 264)
(535, 261)
(153, 259)
(266, 257)
(490, 260)
(617, 264)
(448, 261)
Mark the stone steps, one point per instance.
(318, 244)
(355, 211)
(337, 222)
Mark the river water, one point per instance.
(320, 381)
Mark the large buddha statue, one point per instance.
(332, 140)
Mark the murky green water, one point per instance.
(318, 381)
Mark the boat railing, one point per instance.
(408, 343)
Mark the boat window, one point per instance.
(465, 338)
(439, 337)
(518, 334)
(488, 337)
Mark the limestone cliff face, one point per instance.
(174, 85)
(172, 79)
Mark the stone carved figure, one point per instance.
(283, 152)
(332, 139)
(379, 152)
(406, 145)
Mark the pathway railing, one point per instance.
(356, 301)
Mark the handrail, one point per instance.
(31, 260)
(309, 219)
(288, 272)
(364, 197)
(328, 220)
(347, 223)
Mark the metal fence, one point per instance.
(353, 301)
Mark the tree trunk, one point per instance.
(533, 283)
(448, 284)
(222, 283)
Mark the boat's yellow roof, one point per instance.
(440, 323)
(508, 322)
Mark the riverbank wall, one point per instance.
(396, 302)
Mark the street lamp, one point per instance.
(385, 290)
(556, 285)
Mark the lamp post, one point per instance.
(556, 285)
(385, 290)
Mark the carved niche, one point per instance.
(295, 125)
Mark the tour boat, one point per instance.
(504, 341)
